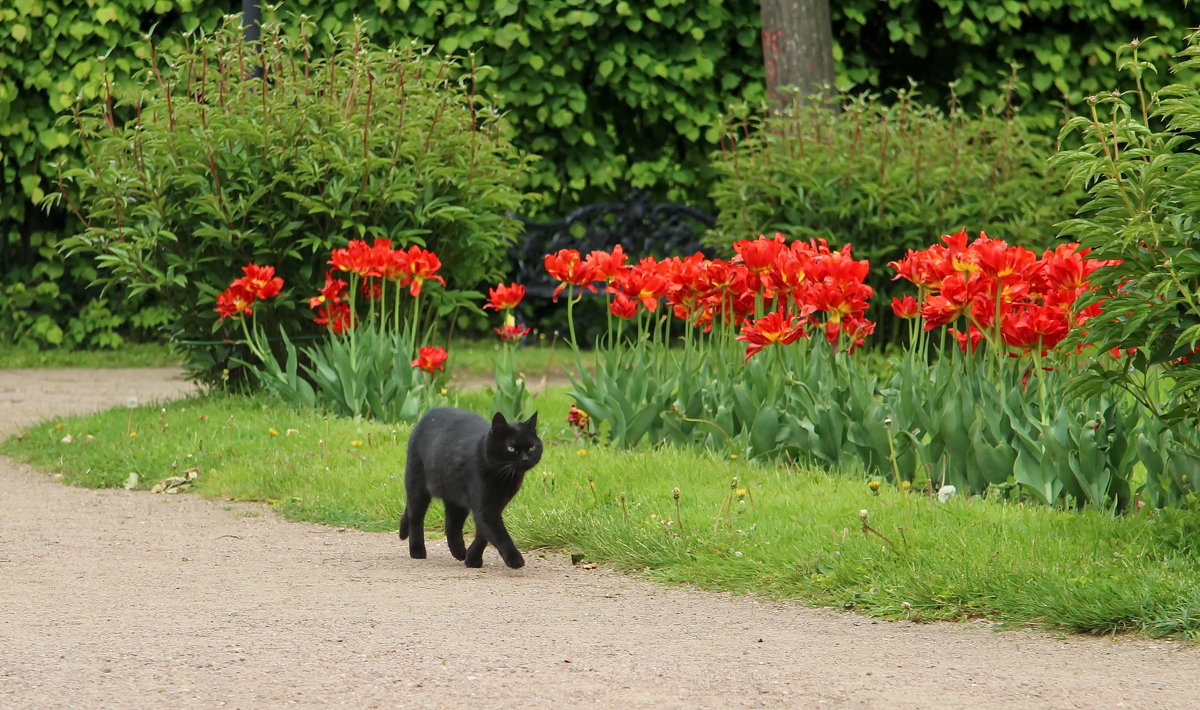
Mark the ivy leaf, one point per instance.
(504, 8)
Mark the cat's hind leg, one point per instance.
(416, 503)
(414, 512)
(455, 517)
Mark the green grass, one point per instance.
(795, 534)
(128, 355)
(477, 358)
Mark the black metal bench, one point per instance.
(642, 227)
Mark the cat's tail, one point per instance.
(404, 525)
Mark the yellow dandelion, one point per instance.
(356, 442)
(582, 452)
(905, 485)
(733, 457)
(133, 435)
(58, 426)
(741, 492)
(273, 431)
(444, 391)
(874, 486)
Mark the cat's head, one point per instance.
(514, 442)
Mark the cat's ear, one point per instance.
(532, 421)
(499, 420)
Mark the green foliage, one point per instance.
(609, 93)
(1064, 48)
(880, 176)
(53, 54)
(1139, 164)
(780, 532)
(45, 304)
(210, 168)
(927, 425)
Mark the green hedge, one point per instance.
(611, 93)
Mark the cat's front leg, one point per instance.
(474, 555)
(491, 526)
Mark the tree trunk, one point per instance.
(797, 41)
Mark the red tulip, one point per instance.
(234, 301)
(568, 268)
(430, 358)
(906, 308)
(260, 281)
(774, 329)
(511, 333)
(421, 266)
(357, 258)
(332, 292)
(623, 306)
(504, 297)
(334, 315)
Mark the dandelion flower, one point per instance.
(133, 435)
(582, 452)
(874, 486)
(273, 431)
(356, 443)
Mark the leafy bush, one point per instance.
(877, 175)
(1139, 164)
(215, 167)
(608, 93)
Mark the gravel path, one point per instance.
(117, 599)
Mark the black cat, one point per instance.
(473, 466)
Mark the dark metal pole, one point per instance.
(251, 20)
(252, 25)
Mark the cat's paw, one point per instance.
(416, 554)
(516, 562)
(475, 561)
(459, 552)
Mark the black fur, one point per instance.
(474, 467)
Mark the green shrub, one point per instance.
(610, 94)
(1141, 169)
(45, 302)
(884, 177)
(212, 168)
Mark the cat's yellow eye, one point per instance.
(512, 449)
